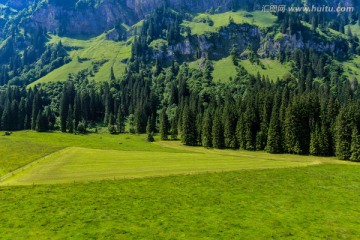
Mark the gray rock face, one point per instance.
(56, 16)
(214, 45)
(94, 21)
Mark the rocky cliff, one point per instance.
(93, 17)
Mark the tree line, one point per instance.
(247, 112)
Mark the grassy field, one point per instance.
(318, 202)
(91, 50)
(83, 164)
(355, 29)
(24, 147)
(272, 68)
(101, 186)
(199, 27)
(62, 158)
(352, 68)
(224, 68)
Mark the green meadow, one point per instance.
(199, 26)
(85, 52)
(102, 186)
(63, 158)
(225, 68)
(318, 202)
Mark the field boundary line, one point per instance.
(13, 173)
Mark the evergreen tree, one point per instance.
(274, 140)
(35, 110)
(188, 134)
(148, 127)
(111, 125)
(240, 132)
(6, 117)
(355, 145)
(229, 121)
(42, 124)
(218, 131)
(164, 125)
(70, 120)
(174, 129)
(77, 109)
(315, 142)
(291, 131)
(120, 121)
(343, 134)
(207, 130)
(39, 122)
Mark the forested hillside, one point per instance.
(221, 76)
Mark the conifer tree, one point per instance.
(164, 125)
(174, 129)
(274, 140)
(207, 129)
(326, 138)
(355, 145)
(315, 142)
(77, 109)
(343, 134)
(229, 121)
(240, 132)
(35, 110)
(218, 131)
(70, 120)
(6, 117)
(39, 122)
(111, 125)
(188, 134)
(291, 131)
(64, 109)
(120, 121)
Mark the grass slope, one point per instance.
(352, 68)
(319, 202)
(272, 68)
(91, 50)
(24, 147)
(199, 27)
(224, 68)
(82, 164)
(355, 29)
(60, 158)
(15, 153)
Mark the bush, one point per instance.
(150, 138)
(81, 128)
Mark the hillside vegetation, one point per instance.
(87, 53)
(204, 23)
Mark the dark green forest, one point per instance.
(313, 110)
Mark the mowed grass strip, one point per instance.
(82, 164)
(24, 147)
(15, 153)
(317, 202)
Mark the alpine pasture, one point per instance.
(103, 186)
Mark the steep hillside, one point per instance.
(94, 57)
(99, 37)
